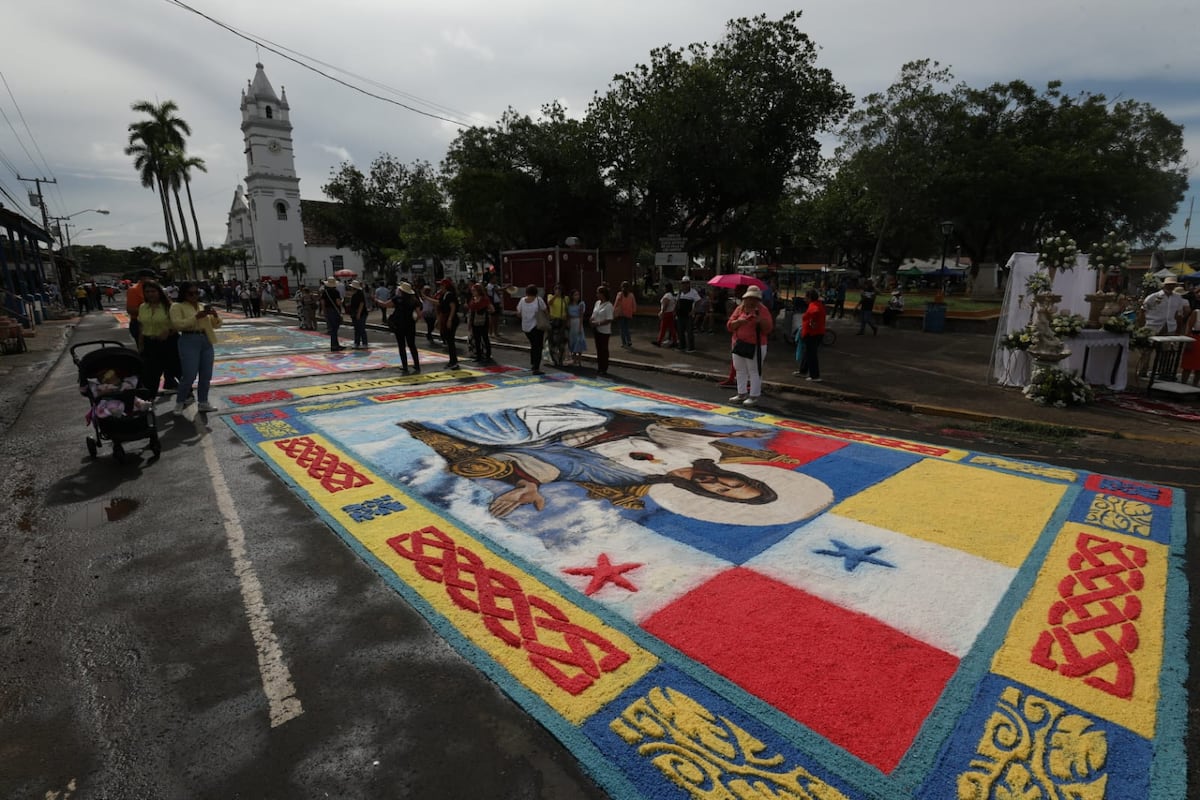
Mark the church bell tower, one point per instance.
(272, 188)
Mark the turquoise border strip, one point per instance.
(591, 760)
(1168, 771)
(956, 697)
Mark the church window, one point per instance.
(280, 210)
(335, 262)
(269, 112)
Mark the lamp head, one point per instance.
(947, 228)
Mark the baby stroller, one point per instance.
(121, 411)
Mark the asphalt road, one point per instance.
(138, 653)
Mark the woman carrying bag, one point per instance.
(535, 321)
(751, 326)
(602, 317)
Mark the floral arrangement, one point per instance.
(1139, 339)
(1150, 284)
(1111, 252)
(1065, 323)
(1058, 252)
(1021, 339)
(1051, 386)
(1038, 283)
(1118, 323)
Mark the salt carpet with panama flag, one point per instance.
(708, 602)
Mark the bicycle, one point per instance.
(830, 338)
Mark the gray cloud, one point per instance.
(76, 78)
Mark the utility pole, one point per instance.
(1187, 229)
(41, 202)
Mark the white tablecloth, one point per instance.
(1106, 354)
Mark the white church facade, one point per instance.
(266, 218)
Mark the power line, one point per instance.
(279, 52)
(33, 163)
(33, 139)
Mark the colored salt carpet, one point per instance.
(1146, 405)
(708, 602)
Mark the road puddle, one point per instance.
(110, 509)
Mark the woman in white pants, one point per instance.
(750, 325)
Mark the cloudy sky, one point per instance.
(74, 67)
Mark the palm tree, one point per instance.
(190, 163)
(172, 178)
(151, 142)
(297, 268)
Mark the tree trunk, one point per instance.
(173, 233)
(187, 184)
(166, 209)
(186, 239)
(878, 245)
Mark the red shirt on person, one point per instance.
(812, 321)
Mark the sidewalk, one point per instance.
(20, 373)
(941, 374)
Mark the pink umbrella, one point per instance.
(735, 279)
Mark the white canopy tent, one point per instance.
(1099, 356)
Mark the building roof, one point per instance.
(313, 236)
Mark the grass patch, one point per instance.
(1031, 430)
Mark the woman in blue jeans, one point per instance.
(196, 325)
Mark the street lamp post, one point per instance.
(947, 229)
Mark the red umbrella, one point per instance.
(345, 273)
(735, 279)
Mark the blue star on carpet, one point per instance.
(855, 555)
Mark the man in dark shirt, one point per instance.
(866, 310)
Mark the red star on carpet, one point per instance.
(603, 572)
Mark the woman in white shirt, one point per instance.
(527, 310)
(602, 317)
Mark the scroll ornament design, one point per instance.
(1032, 749)
(1120, 514)
(709, 756)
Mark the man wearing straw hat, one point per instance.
(1167, 309)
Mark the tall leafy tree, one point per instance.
(365, 214)
(527, 182)
(1006, 163)
(698, 138)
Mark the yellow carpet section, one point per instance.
(982, 512)
(1091, 630)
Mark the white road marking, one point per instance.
(276, 678)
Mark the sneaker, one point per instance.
(814, 380)
(538, 372)
(206, 407)
(692, 350)
(178, 409)
(797, 373)
(738, 398)
(750, 401)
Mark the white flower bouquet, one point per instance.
(1051, 386)
(1058, 252)
(1067, 324)
(1111, 252)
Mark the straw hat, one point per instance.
(331, 282)
(1170, 280)
(406, 287)
(753, 291)
(355, 284)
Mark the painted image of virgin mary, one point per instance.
(617, 455)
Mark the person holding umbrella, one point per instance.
(750, 325)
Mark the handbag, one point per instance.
(542, 317)
(744, 349)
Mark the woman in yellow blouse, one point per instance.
(157, 341)
(196, 325)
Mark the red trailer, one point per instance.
(573, 267)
